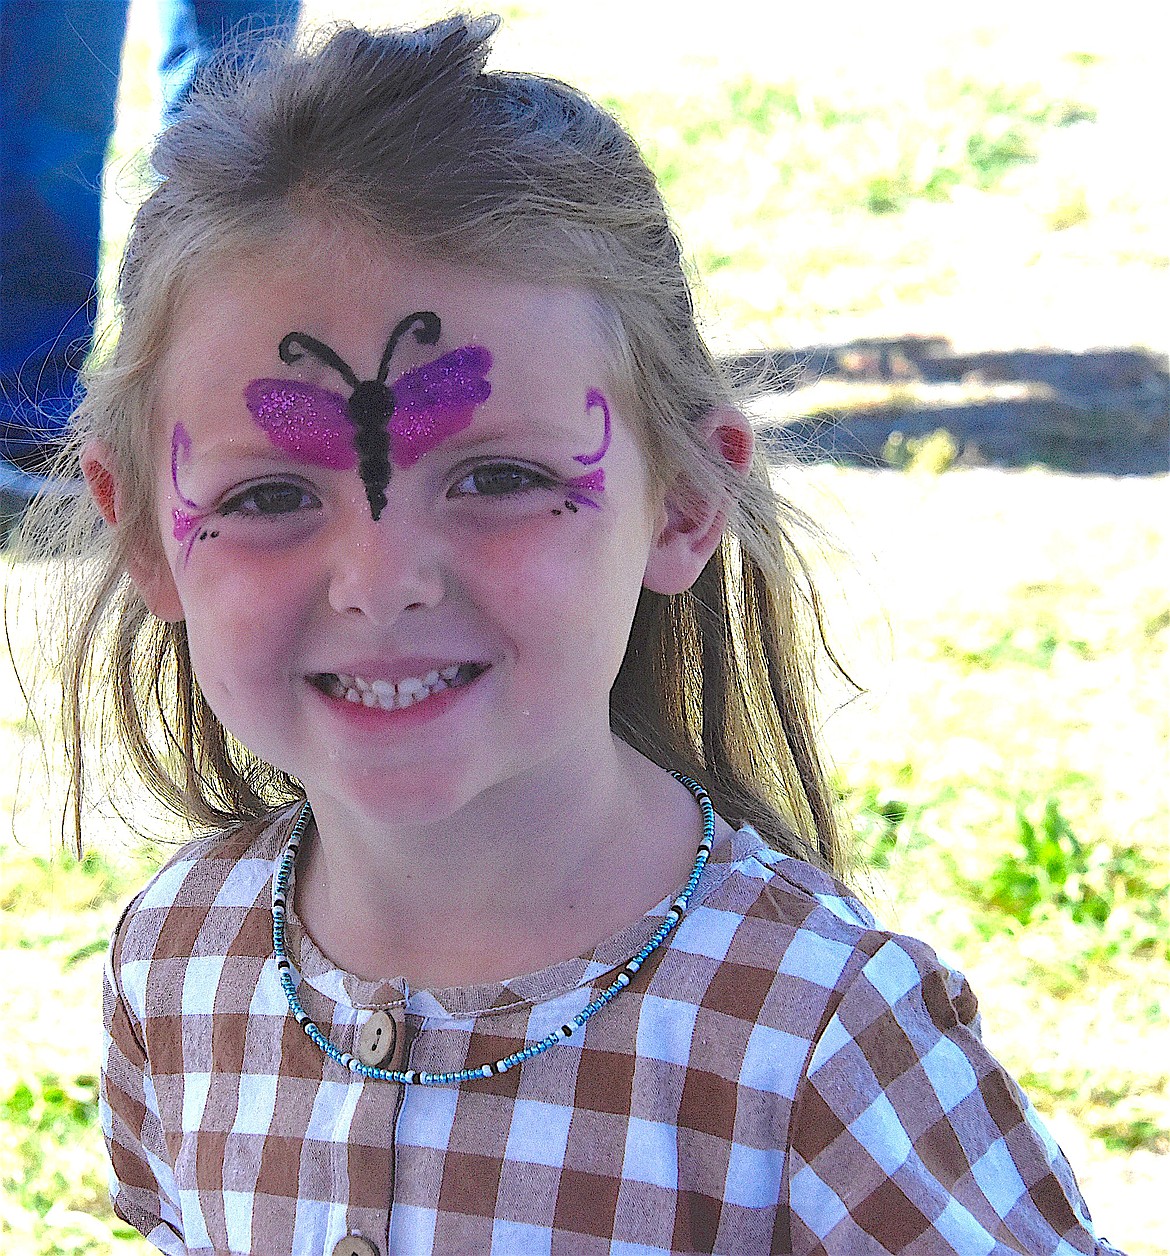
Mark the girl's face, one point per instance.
(423, 594)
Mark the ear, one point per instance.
(149, 571)
(691, 525)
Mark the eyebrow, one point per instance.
(242, 450)
(475, 434)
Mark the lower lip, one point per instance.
(400, 717)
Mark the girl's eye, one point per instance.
(499, 479)
(277, 497)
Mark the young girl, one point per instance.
(446, 595)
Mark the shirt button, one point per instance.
(381, 1040)
(354, 1245)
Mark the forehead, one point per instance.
(332, 284)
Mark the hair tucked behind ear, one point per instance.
(716, 682)
(405, 136)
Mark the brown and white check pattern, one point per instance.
(782, 1076)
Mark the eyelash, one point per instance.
(238, 503)
(533, 480)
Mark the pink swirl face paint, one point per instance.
(185, 523)
(592, 481)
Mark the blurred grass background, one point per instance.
(989, 174)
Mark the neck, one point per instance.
(510, 882)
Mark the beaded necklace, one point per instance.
(412, 1077)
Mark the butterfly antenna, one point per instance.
(296, 344)
(426, 327)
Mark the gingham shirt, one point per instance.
(781, 1076)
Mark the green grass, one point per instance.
(1007, 774)
(840, 152)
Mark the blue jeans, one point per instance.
(59, 63)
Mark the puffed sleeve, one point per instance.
(142, 1184)
(909, 1137)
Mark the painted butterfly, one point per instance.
(378, 424)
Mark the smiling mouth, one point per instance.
(391, 695)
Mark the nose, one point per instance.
(379, 570)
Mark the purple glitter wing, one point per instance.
(434, 401)
(306, 421)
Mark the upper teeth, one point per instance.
(388, 694)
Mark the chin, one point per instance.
(415, 797)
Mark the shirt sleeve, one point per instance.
(142, 1182)
(909, 1137)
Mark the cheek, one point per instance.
(234, 597)
(570, 593)
(520, 573)
(550, 563)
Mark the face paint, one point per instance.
(378, 424)
(591, 481)
(435, 401)
(595, 398)
(185, 524)
(308, 422)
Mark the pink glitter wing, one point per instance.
(434, 401)
(309, 422)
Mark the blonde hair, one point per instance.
(405, 135)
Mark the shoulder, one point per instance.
(226, 869)
(779, 913)
(758, 965)
(789, 952)
(906, 1131)
(198, 907)
(805, 920)
(818, 930)
(903, 1131)
(747, 868)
